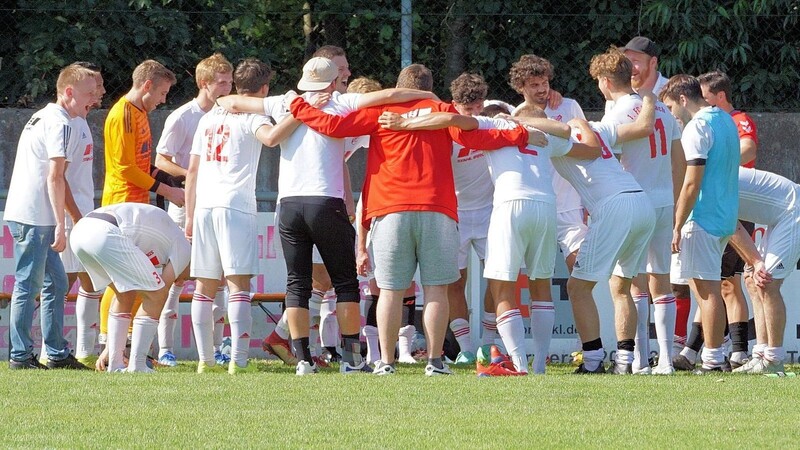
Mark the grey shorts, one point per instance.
(402, 240)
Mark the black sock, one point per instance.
(436, 362)
(301, 350)
(409, 310)
(626, 344)
(695, 339)
(351, 349)
(596, 344)
(372, 312)
(738, 336)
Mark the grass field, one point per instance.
(177, 408)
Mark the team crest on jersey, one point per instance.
(558, 117)
(153, 258)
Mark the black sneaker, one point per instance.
(621, 369)
(680, 362)
(67, 363)
(724, 368)
(582, 369)
(30, 363)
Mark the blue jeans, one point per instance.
(38, 270)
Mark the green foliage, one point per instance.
(756, 42)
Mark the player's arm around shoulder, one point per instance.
(644, 123)
(433, 121)
(393, 95)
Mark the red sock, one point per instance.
(683, 307)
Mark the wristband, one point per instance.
(155, 186)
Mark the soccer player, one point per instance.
(35, 213)
(705, 214)
(404, 196)
(643, 54)
(128, 143)
(771, 200)
(657, 164)
(531, 76)
(615, 244)
(81, 184)
(474, 190)
(214, 78)
(221, 212)
(135, 249)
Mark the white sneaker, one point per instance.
(431, 370)
(381, 368)
(646, 370)
(407, 359)
(754, 361)
(346, 368)
(764, 366)
(305, 368)
(666, 369)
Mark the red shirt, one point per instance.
(406, 170)
(747, 129)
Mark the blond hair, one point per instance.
(154, 71)
(71, 75)
(614, 65)
(530, 110)
(362, 85)
(415, 76)
(208, 68)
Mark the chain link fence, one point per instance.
(756, 42)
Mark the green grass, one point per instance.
(177, 408)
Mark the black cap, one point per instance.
(642, 44)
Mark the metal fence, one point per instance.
(756, 42)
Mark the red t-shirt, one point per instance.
(406, 170)
(747, 129)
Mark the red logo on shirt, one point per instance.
(153, 258)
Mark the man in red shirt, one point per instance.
(410, 204)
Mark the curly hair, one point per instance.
(469, 88)
(529, 66)
(613, 65)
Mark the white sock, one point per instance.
(144, 330)
(642, 339)
(689, 354)
(241, 318)
(460, 329)
(168, 320)
(664, 316)
(543, 317)
(592, 359)
(759, 349)
(328, 324)
(218, 312)
(87, 313)
(512, 331)
(373, 345)
(282, 327)
(713, 357)
(314, 311)
(624, 357)
(777, 354)
(489, 323)
(405, 340)
(118, 324)
(203, 326)
(738, 357)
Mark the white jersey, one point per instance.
(153, 232)
(178, 135)
(49, 134)
(525, 174)
(648, 159)
(229, 154)
(597, 180)
(79, 171)
(765, 197)
(474, 188)
(567, 198)
(312, 164)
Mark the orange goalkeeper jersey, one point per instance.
(127, 155)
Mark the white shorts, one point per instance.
(473, 227)
(780, 247)
(521, 232)
(571, 230)
(178, 215)
(674, 269)
(701, 253)
(617, 240)
(71, 262)
(659, 250)
(223, 241)
(111, 257)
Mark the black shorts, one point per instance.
(732, 264)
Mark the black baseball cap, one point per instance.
(642, 44)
